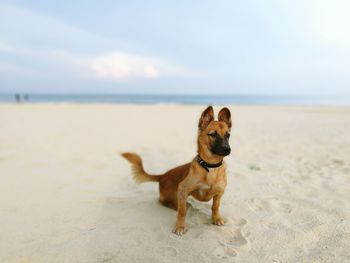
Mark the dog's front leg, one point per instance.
(180, 226)
(217, 219)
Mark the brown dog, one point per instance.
(204, 178)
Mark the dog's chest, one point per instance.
(211, 185)
(206, 192)
(204, 188)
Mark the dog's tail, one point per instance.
(139, 174)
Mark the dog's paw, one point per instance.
(219, 221)
(180, 229)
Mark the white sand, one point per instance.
(67, 196)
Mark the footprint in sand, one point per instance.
(285, 208)
(269, 207)
(199, 217)
(260, 205)
(281, 206)
(225, 252)
(236, 240)
(233, 240)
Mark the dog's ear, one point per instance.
(225, 116)
(206, 118)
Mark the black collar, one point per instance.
(206, 165)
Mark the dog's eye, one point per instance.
(213, 134)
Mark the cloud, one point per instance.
(53, 46)
(151, 72)
(118, 65)
(114, 65)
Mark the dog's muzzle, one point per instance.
(221, 147)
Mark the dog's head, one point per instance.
(213, 136)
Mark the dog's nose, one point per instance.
(226, 150)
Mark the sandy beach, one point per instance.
(66, 195)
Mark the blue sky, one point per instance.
(235, 47)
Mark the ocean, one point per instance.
(182, 99)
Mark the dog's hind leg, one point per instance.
(167, 202)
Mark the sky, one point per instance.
(299, 47)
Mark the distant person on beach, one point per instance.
(26, 97)
(18, 98)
